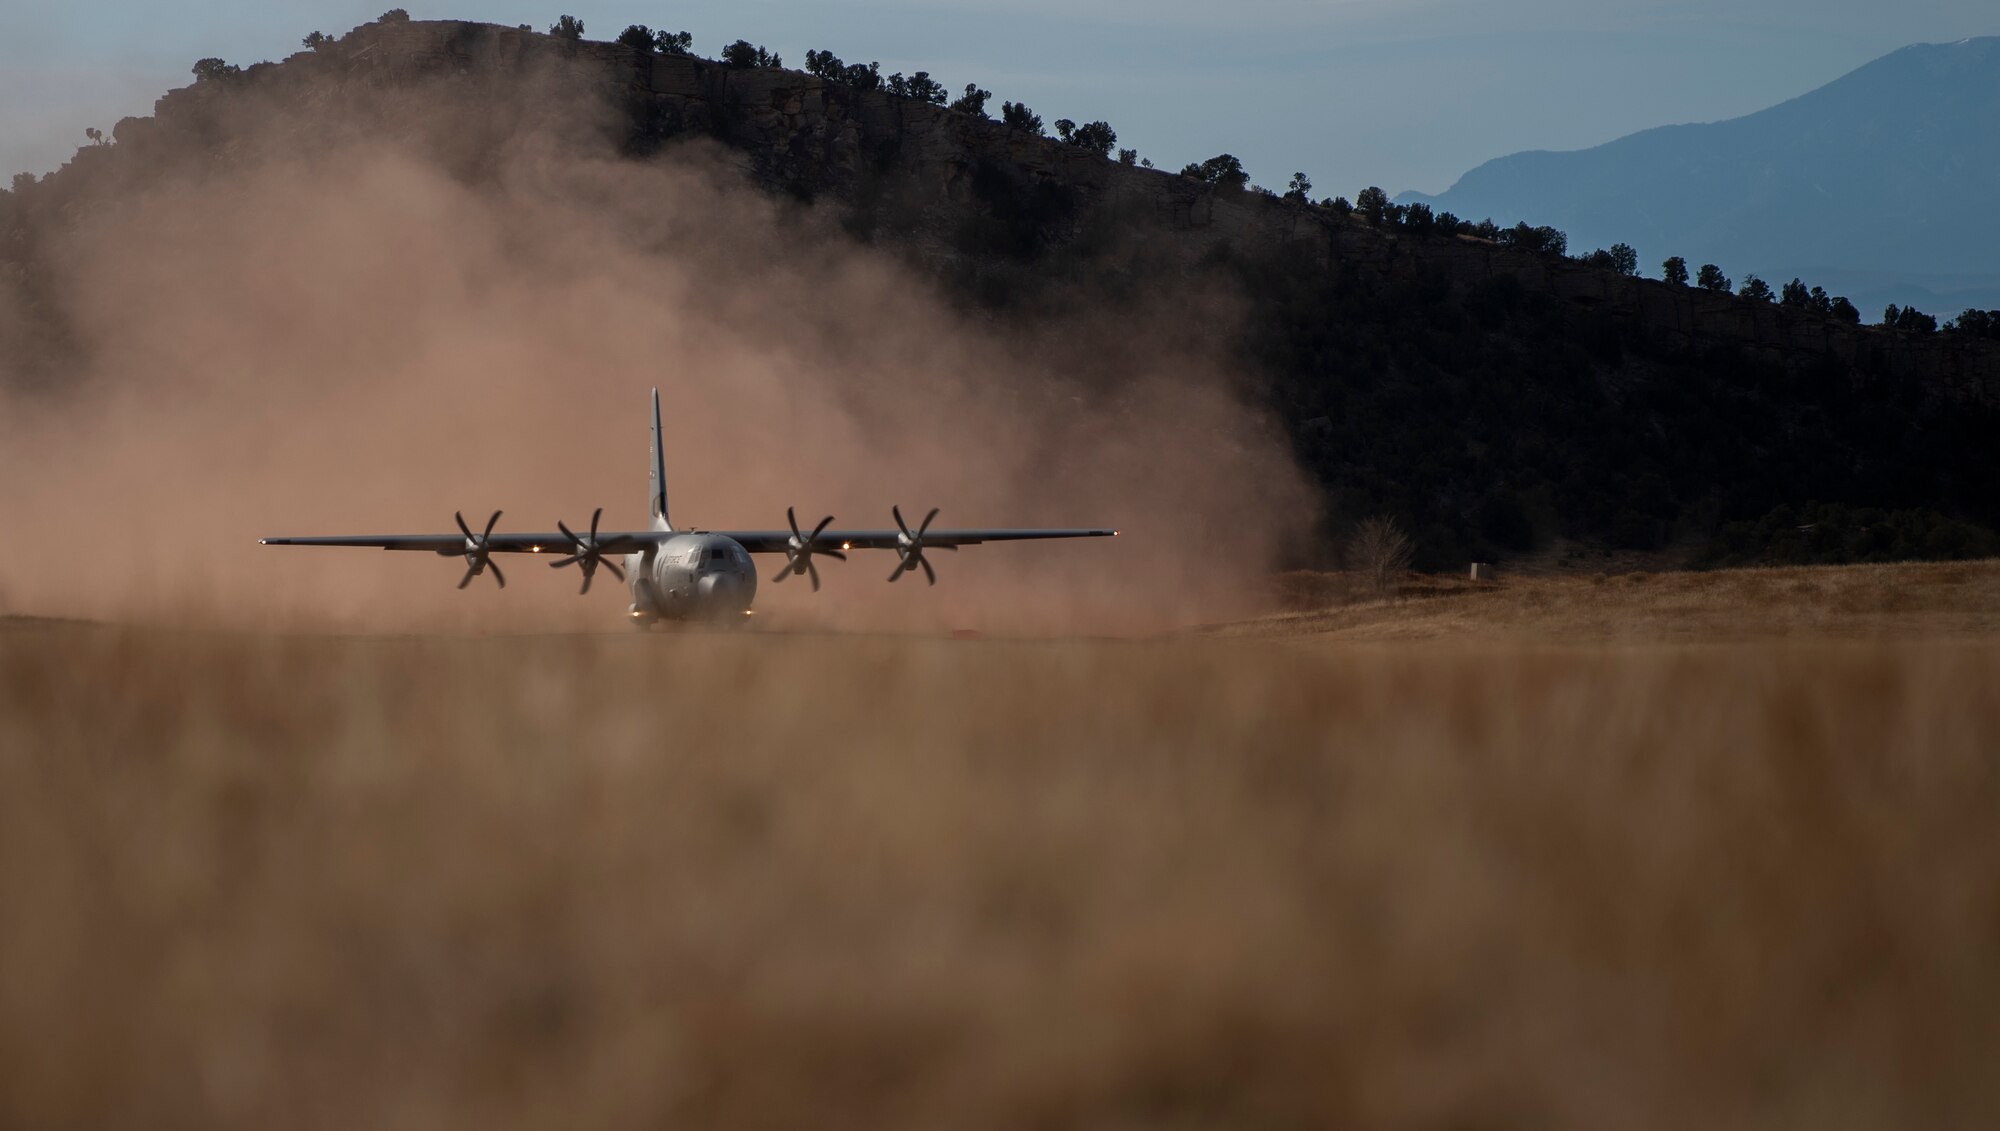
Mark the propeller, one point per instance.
(589, 552)
(799, 551)
(910, 547)
(478, 553)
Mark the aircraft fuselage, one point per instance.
(691, 577)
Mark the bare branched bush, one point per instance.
(1381, 550)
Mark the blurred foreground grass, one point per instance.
(769, 881)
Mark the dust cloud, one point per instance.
(357, 336)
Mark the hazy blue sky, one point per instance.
(1401, 93)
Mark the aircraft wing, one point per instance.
(631, 541)
(614, 542)
(777, 541)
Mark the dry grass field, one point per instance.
(1906, 601)
(1716, 851)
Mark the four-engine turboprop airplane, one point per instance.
(687, 574)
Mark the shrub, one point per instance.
(919, 86)
(1016, 115)
(1675, 271)
(1624, 259)
(638, 37)
(1528, 237)
(317, 40)
(215, 70)
(393, 16)
(1712, 279)
(1097, 137)
(1845, 311)
(1977, 324)
(1449, 224)
(825, 64)
(743, 55)
(973, 101)
(1909, 319)
(1381, 550)
(828, 66)
(1794, 294)
(1419, 218)
(1755, 289)
(1128, 157)
(1373, 204)
(1299, 189)
(567, 27)
(1221, 170)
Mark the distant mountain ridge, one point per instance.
(1882, 184)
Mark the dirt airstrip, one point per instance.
(1628, 851)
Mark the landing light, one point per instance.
(847, 545)
(534, 549)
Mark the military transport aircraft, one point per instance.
(688, 574)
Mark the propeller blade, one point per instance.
(817, 529)
(568, 533)
(464, 529)
(571, 560)
(497, 575)
(930, 574)
(901, 565)
(898, 513)
(588, 573)
(470, 573)
(496, 518)
(793, 519)
(920, 529)
(836, 554)
(782, 574)
(617, 570)
(812, 571)
(594, 516)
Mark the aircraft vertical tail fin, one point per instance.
(657, 505)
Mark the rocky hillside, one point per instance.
(1880, 184)
(1495, 400)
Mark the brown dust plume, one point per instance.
(361, 336)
